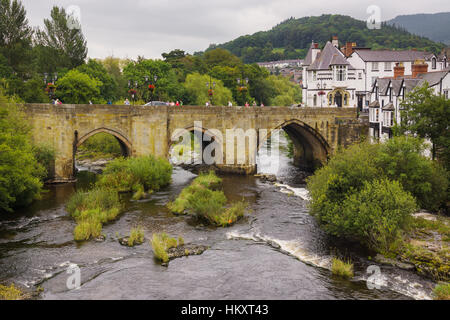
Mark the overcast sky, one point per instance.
(150, 27)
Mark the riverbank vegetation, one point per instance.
(205, 200)
(343, 269)
(368, 193)
(23, 165)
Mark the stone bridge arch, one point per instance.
(124, 142)
(311, 148)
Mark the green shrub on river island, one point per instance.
(139, 175)
(91, 209)
(161, 242)
(203, 200)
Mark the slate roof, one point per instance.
(308, 59)
(329, 56)
(383, 85)
(391, 55)
(433, 78)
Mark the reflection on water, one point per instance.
(276, 252)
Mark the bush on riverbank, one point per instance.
(161, 242)
(353, 195)
(343, 269)
(136, 174)
(442, 292)
(91, 209)
(203, 200)
(20, 173)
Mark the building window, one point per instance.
(340, 73)
(387, 66)
(377, 115)
(315, 100)
(314, 75)
(446, 94)
(433, 63)
(375, 66)
(360, 75)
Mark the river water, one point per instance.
(276, 252)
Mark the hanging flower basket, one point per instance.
(151, 87)
(322, 93)
(50, 87)
(210, 92)
(242, 89)
(132, 92)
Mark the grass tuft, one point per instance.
(442, 292)
(136, 237)
(343, 269)
(161, 242)
(11, 293)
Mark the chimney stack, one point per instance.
(399, 70)
(335, 41)
(419, 67)
(349, 48)
(315, 51)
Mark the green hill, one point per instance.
(292, 38)
(434, 26)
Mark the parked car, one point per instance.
(156, 104)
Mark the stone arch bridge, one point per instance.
(316, 132)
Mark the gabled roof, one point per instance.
(329, 56)
(391, 55)
(410, 84)
(433, 78)
(383, 85)
(374, 104)
(396, 86)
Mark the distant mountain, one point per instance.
(433, 26)
(292, 38)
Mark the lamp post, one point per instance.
(133, 89)
(241, 87)
(211, 86)
(321, 86)
(50, 80)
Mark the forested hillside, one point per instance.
(291, 38)
(434, 26)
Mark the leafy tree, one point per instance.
(94, 69)
(195, 86)
(428, 116)
(402, 159)
(78, 88)
(114, 68)
(286, 93)
(221, 57)
(33, 91)
(15, 36)
(167, 86)
(61, 42)
(341, 190)
(20, 173)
